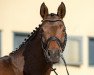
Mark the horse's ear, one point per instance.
(43, 10)
(61, 10)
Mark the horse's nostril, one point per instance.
(53, 53)
(49, 53)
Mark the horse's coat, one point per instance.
(30, 58)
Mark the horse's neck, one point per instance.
(30, 58)
(35, 63)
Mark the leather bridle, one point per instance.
(60, 44)
(53, 38)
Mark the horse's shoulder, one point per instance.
(5, 61)
(5, 66)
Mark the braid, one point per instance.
(30, 36)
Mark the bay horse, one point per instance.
(37, 54)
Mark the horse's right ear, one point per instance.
(43, 10)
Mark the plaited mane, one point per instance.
(30, 36)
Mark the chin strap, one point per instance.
(64, 64)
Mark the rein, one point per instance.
(62, 45)
(64, 64)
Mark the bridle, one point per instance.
(60, 44)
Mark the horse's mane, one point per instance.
(29, 37)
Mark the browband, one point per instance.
(54, 20)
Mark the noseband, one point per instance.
(60, 44)
(53, 38)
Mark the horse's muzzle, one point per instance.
(54, 56)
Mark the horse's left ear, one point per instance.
(61, 10)
(43, 10)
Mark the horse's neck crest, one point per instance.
(30, 36)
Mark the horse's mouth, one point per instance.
(54, 56)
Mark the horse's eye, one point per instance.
(41, 30)
(63, 30)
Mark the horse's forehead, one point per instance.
(53, 25)
(53, 30)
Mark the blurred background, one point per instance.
(20, 17)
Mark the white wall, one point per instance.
(23, 16)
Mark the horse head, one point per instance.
(53, 32)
